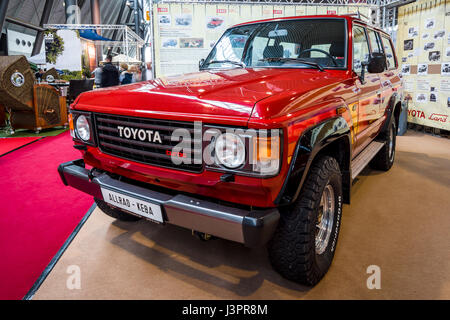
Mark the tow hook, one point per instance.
(203, 236)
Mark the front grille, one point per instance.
(153, 153)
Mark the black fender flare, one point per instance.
(310, 143)
(390, 110)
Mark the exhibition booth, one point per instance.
(320, 96)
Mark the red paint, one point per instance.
(175, 154)
(38, 212)
(290, 99)
(438, 117)
(10, 144)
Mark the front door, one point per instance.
(369, 92)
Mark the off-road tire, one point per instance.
(385, 158)
(115, 212)
(292, 250)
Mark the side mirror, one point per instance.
(377, 63)
(364, 65)
(200, 63)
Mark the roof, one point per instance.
(347, 17)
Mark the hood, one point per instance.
(224, 96)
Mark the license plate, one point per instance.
(142, 208)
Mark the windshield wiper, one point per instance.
(274, 59)
(242, 65)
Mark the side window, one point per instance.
(389, 53)
(360, 48)
(374, 41)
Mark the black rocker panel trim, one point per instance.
(308, 146)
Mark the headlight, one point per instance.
(230, 150)
(83, 129)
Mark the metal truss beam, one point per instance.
(44, 19)
(130, 35)
(282, 2)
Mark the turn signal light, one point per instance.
(71, 126)
(266, 154)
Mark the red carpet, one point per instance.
(37, 212)
(9, 144)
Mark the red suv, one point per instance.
(259, 147)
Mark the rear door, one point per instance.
(384, 93)
(390, 80)
(369, 91)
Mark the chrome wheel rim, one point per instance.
(391, 143)
(325, 219)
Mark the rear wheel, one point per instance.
(115, 212)
(386, 156)
(304, 243)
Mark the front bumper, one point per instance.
(250, 227)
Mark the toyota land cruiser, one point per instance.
(259, 147)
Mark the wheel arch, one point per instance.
(394, 109)
(331, 137)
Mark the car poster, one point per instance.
(428, 59)
(434, 56)
(169, 42)
(408, 45)
(191, 43)
(421, 97)
(429, 46)
(165, 20)
(214, 23)
(434, 96)
(422, 69)
(430, 23)
(413, 32)
(406, 69)
(445, 69)
(439, 35)
(183, 21)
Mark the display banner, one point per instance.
(63, 50)
(423, 49)
(185, 33)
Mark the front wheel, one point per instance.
(304, 243)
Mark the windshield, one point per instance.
(302, 43)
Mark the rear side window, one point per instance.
(389, 53)
(375, 41)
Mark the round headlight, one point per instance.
(230, 150)
(83, 129)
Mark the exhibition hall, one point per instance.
(237, 150)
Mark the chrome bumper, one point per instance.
(252, 228)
